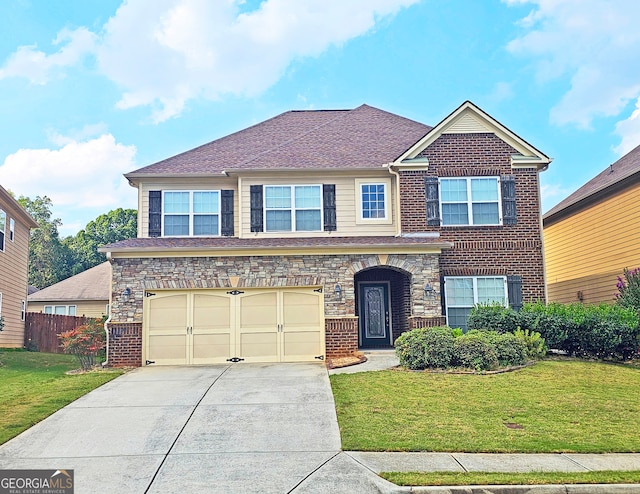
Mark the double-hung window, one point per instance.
(191, 213)
(62, 310)
(293, 208)
(470, 201)
(3, 226)
(373, 197)
(12, 229)
(462, 293)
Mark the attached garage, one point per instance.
(218, 325)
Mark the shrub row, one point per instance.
(602, 331)
(442, 347)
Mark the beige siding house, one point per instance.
(85, 294)
(15, 224)
(592, 235)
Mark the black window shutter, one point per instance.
(226, 213)
(256, 208)
(329, 205)
(514, 292)
(155, 213)
(443, 301)
(433, 200)
(509, 216)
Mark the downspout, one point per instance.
(106, 323)
(397, 201)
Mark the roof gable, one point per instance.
(626, 168)
(17, 209)
(365, 137)
(469, 119)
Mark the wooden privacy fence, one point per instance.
(41, 330)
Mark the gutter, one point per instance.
(106, 323)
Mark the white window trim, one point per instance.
(387, 220)
(293, 208)
(0, 303)
(23, 311)
(469, 202)
(191, 214)
(53, 309)
(3, 231)
(12, 229)
(475, 291)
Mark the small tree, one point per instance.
(85, 342)
(628, 294)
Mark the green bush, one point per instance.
(628, 294)
(494, 317)
(473, 351)
(425, 348)
(509, 349)
(536, 348)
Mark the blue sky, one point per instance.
(92, 90)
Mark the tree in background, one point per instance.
(47, 255)
(118, 224)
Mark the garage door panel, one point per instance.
(211, 348)
(302, 346)
(168, 313)
(259, 311)
(259, 347)
(168, 349)
(212, 311)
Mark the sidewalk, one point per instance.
(485, 462)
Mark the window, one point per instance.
(470, 201)
(62, 310)
(3, 224)
(12, 229)
(191, 213)
(373, 201)
(296, 208)
(23, 310)
(462, 293)
(0, 304)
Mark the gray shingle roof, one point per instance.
(92, 284)
(364, 137)
(624, 168)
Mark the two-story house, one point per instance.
(318, 233)
(15, 224)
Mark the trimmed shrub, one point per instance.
(536, 348)
(494, 317)
(509, 349)
(473, 351)
(425, 348)
(85, 342)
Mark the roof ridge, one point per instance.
(343, 113)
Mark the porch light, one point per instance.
(126, 294)
(428, 289)
(337, 290)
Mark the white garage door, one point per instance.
(252, 325)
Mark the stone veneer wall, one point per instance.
(341, 323)
(481, 250)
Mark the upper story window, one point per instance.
(374, 201)
(3, 225)
(191, 213)
(293, 208)
(470, 201)
(12, 229)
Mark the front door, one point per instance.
(375, 319)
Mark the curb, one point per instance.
(530, 489)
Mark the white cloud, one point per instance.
(629, 130)
(596, 43)
(39, 67)
(551, 194)
(84, 178)
(164, 53)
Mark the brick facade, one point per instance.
(125, 345)
(481, 250)
(341, 335)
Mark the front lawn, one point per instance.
(34, 385)
(553, 406)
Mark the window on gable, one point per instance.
(191, 213)
(462, 293)
(3, 225)
(470, 201)
(293, 208)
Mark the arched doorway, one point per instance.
(383, 305)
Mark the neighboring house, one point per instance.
(15, 224)
(592, 235)
(85, 294)
(319, 233)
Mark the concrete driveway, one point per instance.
(241, 428)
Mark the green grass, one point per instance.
(561, 406)
(533, 478)
(34, 385)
